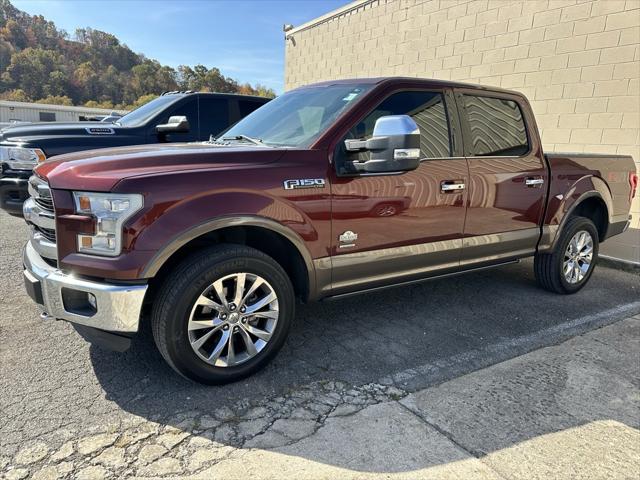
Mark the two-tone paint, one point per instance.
(510, 206)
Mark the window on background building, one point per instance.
(47, 117)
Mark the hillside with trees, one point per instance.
(40, 63)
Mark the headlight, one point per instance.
(111, 210)
(20, 158)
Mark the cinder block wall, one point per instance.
(577, 61)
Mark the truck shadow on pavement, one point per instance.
(363, 351)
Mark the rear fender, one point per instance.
(563, 202)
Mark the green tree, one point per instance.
(30, 69)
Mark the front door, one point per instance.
(390, 228)
(508, 178)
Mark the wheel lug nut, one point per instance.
(244, 320)
(232, 307)
(243, 309)
(226, 327)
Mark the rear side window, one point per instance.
(428, 111)
(214, 116)
(496, 127)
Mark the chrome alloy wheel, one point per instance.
(233, 319)
(578, 257)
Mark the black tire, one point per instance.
(179, 291)
(548, 267)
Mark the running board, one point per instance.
(419, 280)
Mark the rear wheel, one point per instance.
(569, 266)
(223, 314)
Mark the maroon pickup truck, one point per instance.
(329, 190)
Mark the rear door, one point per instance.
(508, 177)
(389, 228)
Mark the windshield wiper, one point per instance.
(255, 141)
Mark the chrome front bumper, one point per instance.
(115, 308)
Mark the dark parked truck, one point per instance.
(172, 117)
(329, 190)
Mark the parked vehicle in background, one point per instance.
(329, 190)
(111, 118)
(172, 117)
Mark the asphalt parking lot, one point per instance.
(55, 386)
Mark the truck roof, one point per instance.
(215, 94)
(427, 82)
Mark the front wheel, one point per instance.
(569, 266)
(223, 314)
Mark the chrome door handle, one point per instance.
(451, 186)
(534, 181)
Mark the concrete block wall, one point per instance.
(578, 61)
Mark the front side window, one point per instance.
(496, 127)
(299, 117)
(214, 116)
(428, 111)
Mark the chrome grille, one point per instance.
(39, 213)
(45, 203)
(41, 194)
(47, 233)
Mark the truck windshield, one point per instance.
(297, 118)
(147, 111)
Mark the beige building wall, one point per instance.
(577, 61)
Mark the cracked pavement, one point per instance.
(377, 385)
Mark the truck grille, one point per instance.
(45, 202)
(47, 233)
(41, 194)
(39, 213)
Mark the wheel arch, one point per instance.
(590, 204)
(263, 234)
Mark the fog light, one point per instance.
(79, 302)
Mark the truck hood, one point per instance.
(35, 132)
(100, 170)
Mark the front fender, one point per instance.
(208, 226)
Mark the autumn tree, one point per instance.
(39, 62)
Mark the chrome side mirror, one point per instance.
(394, 146)
(176, 124)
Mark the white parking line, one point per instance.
(504, 350)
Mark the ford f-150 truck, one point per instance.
(172, 117)
(329, 190)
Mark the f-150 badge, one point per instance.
(348, 239)
(304, 183)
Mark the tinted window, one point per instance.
(496, 127)
(248, 106)
(428, 111)
(214, 116)
(47, 117)
(187, 108)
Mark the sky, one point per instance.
(243, 38)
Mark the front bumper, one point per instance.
(13, 192)
(111, 307)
